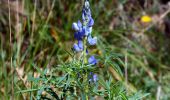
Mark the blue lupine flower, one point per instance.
(95, 78)
(77, 26)
(80, 31)
(88, 30)
(86, 12)
(79, 35)
(91, 22)
(79, 23)
(92, 60)
(78, 47)
(92, 41)
(84, 29)
(83, 16)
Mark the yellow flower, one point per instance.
(146, 19)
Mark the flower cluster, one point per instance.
(83, 30)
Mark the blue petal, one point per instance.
(80, 45)
(82, 33)
(95, 78)
(76, 48)
(79, 35)
(91, 22)
(92, 60)
(92, 77)
(87, 51)
(75, 27)
(83, 15)
(92, 41)
(86, 14)
(86, 5)
(79, 24)
(88, 30)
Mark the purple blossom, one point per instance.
(79, 35)
(80, 31)
(93, 77)
(92, 60)
(92, 41)
(77, 26)
(91, 22)
(88, 30)
(78, 47)
(84, 29)
(86, 12)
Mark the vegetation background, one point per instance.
(39, 32)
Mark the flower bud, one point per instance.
(75, 26)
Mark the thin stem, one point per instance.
(84, 51)
(33, 25)
(85, 62)
(126, 71)
(12, 83)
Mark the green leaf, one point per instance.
(28, 90)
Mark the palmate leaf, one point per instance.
(113, 90)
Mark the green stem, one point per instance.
(85, 62)
(84, 51)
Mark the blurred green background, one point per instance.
(39, 32)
